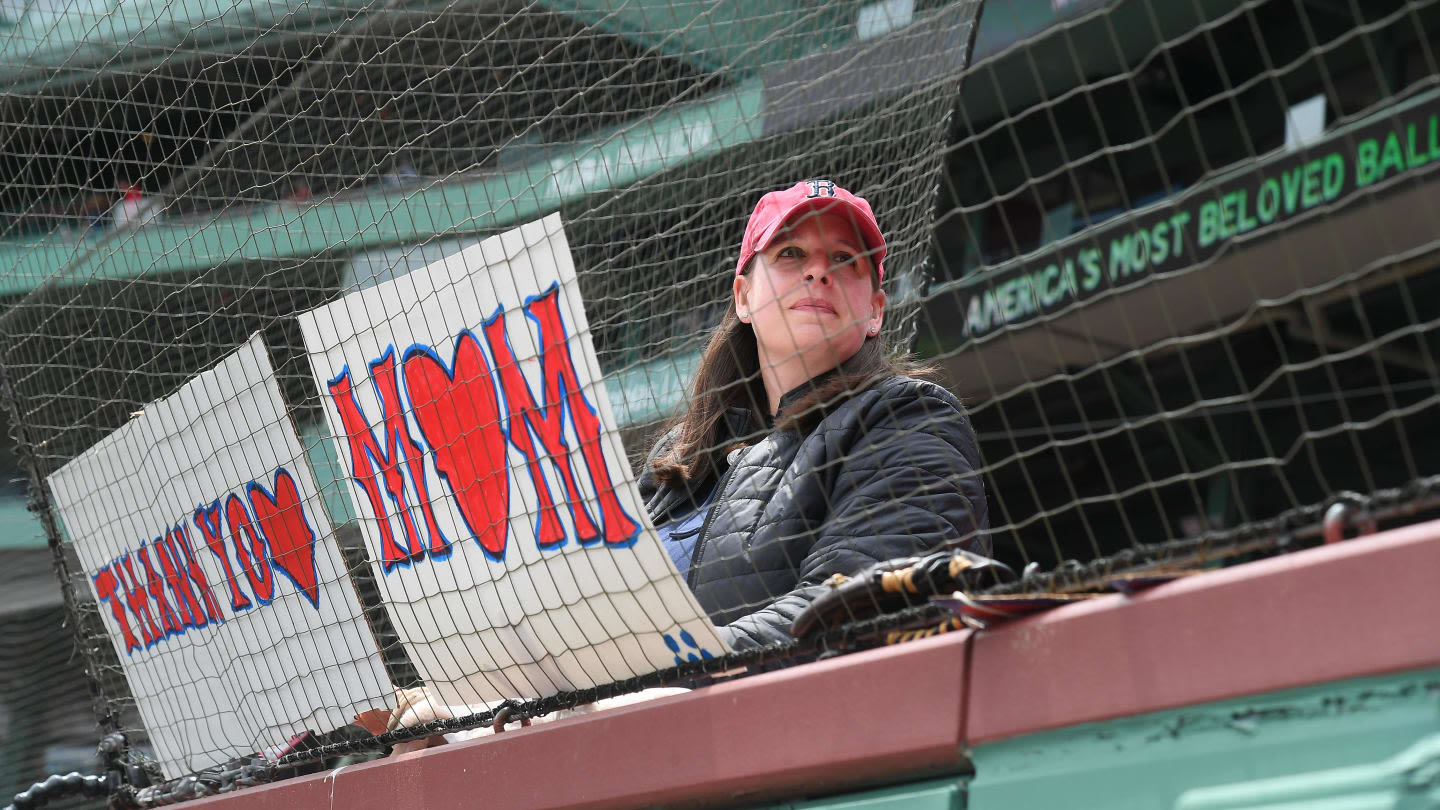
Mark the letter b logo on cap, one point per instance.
(821, 188)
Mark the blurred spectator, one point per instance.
(134, 208)
(299, 192)
(401, 172)
(94, 211)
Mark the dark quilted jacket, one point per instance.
(889, 472)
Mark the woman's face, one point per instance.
(810, 295)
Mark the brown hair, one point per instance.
(729, 377)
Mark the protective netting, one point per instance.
(1175, 258)
(1187, 283)
(48, 723)
(177, 211)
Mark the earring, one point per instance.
(874, 331)
(743, 314)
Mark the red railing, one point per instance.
(1363, 607)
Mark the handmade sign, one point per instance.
(217, 573)
(512, 550)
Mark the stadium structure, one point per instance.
(1178, 259)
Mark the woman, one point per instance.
(807, 452)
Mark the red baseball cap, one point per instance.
(776, 208)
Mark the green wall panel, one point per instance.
(1334, 745)
(18, 528)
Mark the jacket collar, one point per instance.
(740, 422)
(795, 394)
(743, 421)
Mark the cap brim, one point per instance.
(865, 225)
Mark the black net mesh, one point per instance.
(166, 199)
(1184, 286)
(1174, 258)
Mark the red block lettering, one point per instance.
(172, 567)
(459, 416)
(281, 517)
(563, 401)
(184, 553)
(156, 585)
(207, 520)
(399, 447)
(254, 561)
(137, 600)
(105, 587)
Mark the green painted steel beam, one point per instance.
(51, 42)
(737, 36)
(384, 218)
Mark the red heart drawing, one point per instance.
(287, 531)
(458, 411)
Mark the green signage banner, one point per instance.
(1198, 224)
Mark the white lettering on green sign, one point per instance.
(1227, 214)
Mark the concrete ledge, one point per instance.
(884, 715)
(1363, 607)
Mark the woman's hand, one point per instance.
(415, 707)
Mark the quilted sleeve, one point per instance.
(907, 483)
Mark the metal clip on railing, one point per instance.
(1348, 508)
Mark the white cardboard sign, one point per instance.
(511, 546)
(217, 573)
